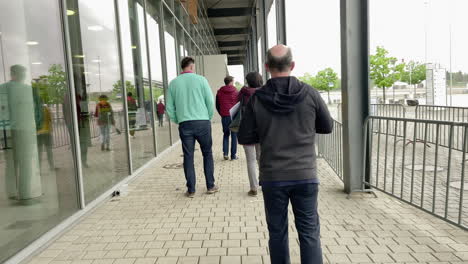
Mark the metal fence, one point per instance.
(330, 148)
(428, 173)
(61, 132)
(390, 110)
(442, 113)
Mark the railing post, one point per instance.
(355, 75)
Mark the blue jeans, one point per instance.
(200, 131)
(226, 120)
(303, 199)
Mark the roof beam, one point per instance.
(231, 52)
(237, 58)
(229, 12)
(230, 31)
(223, 44)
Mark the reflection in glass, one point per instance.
(98, 95)
(137, 75)
(163, 137)
(271, 22)
(261, 67)
(37, 178)
(171, 57)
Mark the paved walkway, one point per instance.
(155, 223)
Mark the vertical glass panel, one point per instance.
(37, 172)
(162, 122)
(140, 116)
(169, 37)
(171, 57)
(261, 67)
(181, 42)
(272, 25)
(98, 95)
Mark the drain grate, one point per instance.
(174, 166)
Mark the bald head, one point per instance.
(279, 60)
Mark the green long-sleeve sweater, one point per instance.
(189, 98)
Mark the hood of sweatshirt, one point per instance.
(281, 95)
(227, 89)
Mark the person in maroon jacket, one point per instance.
(161, 110)
(226, 98)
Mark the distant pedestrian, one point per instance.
(190, 104)
(132, 111)
(226, 98)
(284, 117)
(161, 109)
(105, 118)
(252, 152)
(44, 138)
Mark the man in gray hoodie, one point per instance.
(284, 117)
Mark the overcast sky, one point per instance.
(313, 29)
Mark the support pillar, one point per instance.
(281, 21)
(355, 89)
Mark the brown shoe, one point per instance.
(252, 193)
(189, 194)
(213, 190)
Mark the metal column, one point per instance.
(355, 75)
(263, 33)
(281, 21)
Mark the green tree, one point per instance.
(117, 88)
(385, 70)
(414, 73)
(325, 80)
(57, 84)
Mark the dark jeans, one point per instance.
(226, 120)
(200, 131)
(160, 119)
(303, 199)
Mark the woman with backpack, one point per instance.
(252, 152)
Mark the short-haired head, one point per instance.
(129, 94)
(187, 63)
(279, 60)
(228, 80)
(18, 72)
(103, 97)
(254, 79)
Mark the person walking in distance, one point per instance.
(132, 110)
(284, 117)
(226, 98)
(252, 152)
(161, 109)
(190, 104)
(105, 119)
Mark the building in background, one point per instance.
(436, 85)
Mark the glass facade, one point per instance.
(37, 170)
(93, 87)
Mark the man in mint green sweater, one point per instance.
(190, 104)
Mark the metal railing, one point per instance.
(428, 173)
(442, 113)
(330, 148)
(389, 110)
